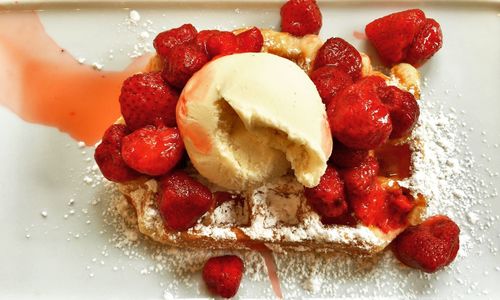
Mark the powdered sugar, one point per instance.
(444, 172)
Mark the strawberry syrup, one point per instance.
(44, 84)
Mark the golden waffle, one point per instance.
(275, 214)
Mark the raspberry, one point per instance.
(222, 275)
(182, 62)
(167, 40)
(429, 246)
(393, 34)
(182, 200)
(250, 40)
(222, 43)
(301, 17)
(109, 158)
(359, 120)
(328, 197)
(153, 151)
(386, 209)
(403, 110)
(202, 38)
(339, 53)
(329, 81)
(427, 42)
(345, 157)
(146, 99)
(359, 180)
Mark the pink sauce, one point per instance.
(272, 270)
(44, 84)
(359, 35)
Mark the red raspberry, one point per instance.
(146, 99)
(403, 109)
(393, 34)
(202, 38)
(359, 120)
(339, 53)
(182, 62)
(109, 158)
(250, 40)
(427, 42)
(329, 81)
(301, 17)
(429, 246)
(167, 40)
(153, 151)
(222, 43)
(222, 275)
(359, 180)
(328, 197)
(345, 157)
(182, 201)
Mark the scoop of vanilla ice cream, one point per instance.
(250, 117)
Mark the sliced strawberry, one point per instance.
(182, 62)
(329, 81)
(167, 40)
(359, 119)
(222, 275)
(403, 109)
(222, 43)
(339, 53)
(429, 246)
(427, 42)
(328, 197)
(301, 17)
(182, 200)
(393, 34)
(250, 40)
(153, 151)
(108, 155)
(146, 99)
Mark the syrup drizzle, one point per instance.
(42, 83)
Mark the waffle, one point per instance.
(275, 214)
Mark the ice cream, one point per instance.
(248, 118)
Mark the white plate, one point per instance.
(42, 169)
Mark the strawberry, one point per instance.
(222, 197)
(202, 38)
(182, 200)
(403, 109)
(359, 120)
(182, 62)
(386, 208)
(301, 17)
(146, 99)
(345, 157)
(426, 43)
(108, 155)
(222, 43)
(329, 81)
(394, 34)
(250, 40)
(167, 40)
(222, 275)
(359, 180)
(428, 246)
(153, 151)
(346, 219)
(328, 197)
(339, 53)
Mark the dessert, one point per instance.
(292, 143)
